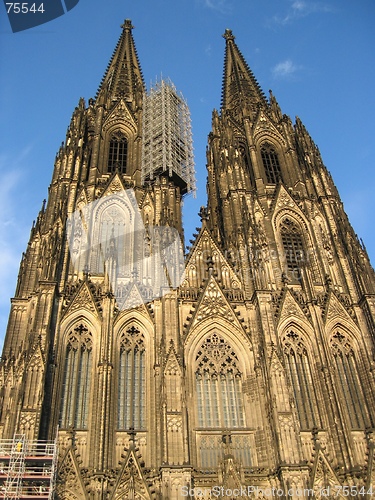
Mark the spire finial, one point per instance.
(228, 35)
(127, 25)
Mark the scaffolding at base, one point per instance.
(27, 468)
(167, 144)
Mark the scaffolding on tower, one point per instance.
(27, 468)
(167, 144)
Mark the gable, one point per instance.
(69, 480)
(291, 311)
(120, 115)
(213, 303)
(205, 253)
(264, 126)
(335, 312)
(132, 299)
(131, 482)
(83, 300)
(323, 476)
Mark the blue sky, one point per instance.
(318, 57)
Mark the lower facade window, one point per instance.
(300, 376)
(218, 385)
(132, 381)
(77, 379)
(348, 381)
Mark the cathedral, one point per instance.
(242, 366)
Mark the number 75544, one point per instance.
(24, 8)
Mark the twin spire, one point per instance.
(123, 77)
(240, 91)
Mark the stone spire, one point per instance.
(123, 77)
(241, 92)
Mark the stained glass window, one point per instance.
(293, 248)
(271, 164)
(132, 381)
(218, 385)
(77, 379)
(300, 375)
(118, 152)
(348, 380)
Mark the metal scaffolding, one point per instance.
(27, 468)
(167, 143)
(16, 467)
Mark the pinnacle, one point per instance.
(228, 35)
(127, 25)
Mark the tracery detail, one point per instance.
(118, 152)
(218, 384)
(132, 381)
(271, 164)
(300, 375)
(77, 379)
(348, 380)
(294, 252)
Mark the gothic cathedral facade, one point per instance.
(257, 370)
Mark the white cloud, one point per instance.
(222, 6)
(299, 9)
(284, 69)
(299, 6)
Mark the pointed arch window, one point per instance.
(218, 385)
(348, 380)
(112, 239)
(118, 153)
(271, 164)
(300, 375)
(293, 248)
(77, 379)
(131, 412)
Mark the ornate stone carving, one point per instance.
(131, 482)
(174, 423)
(83, 300)
(284, 199)
(217, 356)
(336, 311)
(69, 480)
(323, 476)
(291, 309)
(213, 303)
(120, 115)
